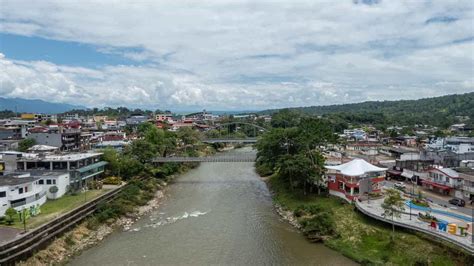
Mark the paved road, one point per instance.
(435, 199)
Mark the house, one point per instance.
(20, 191)
(442, 180)
(164, 117)
(353, 179)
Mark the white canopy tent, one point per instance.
(356, 167)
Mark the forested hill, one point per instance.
(438, 111)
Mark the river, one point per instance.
(219, 214)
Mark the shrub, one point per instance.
(264, 169)
(10, 215)
(112, 180)
(94, 184)
(69, 240)
(318, 227)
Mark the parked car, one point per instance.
(399, 185)
(457, 202)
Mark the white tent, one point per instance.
(356, 167)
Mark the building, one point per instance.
(467, 175)
(54, 183)
(20, 191)
(66, 139)
(443, 180)
(353, 179)
(164, 117)
(80, 166)
(136, 120)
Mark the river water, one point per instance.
(216, 214)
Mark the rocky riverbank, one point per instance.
(82, 237)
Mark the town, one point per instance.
(236, 133)
(44, 157)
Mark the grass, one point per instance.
(368, 241)
(54, 208)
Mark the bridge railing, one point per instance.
(215, 159)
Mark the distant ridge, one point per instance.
(35, 106)
(439, 111)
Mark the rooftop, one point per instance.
(355, 167)
(12, 180)
(53, 157)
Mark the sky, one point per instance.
(234, 55)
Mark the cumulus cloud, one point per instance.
(245, 54)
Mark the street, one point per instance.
(434, 198)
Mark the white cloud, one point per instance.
(243, 54)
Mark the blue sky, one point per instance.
(32, 48)
(234, 55)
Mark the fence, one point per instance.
(23, 247)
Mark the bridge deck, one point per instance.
(213, 159)
(248, 140)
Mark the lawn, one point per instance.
(368, 241)
(54, 208)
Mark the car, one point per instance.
(399, 185)
(457, 202)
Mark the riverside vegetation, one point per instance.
(290, 156)
(142, 193)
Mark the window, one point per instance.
(48, 181)
(54, 181)
(26, 189)
(20, 190)
(3, 194)
(41, 182)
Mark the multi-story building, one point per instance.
(443, 180)
(66, 139)
(467, 176)
(354, 179)
(20, 191)
(80, 166)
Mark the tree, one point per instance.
(25, 144)
(188, 135)
(285, 118)
(112, 158)
(10, 215)
(393, 205)
(142, 150)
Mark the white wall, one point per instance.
(62, 182)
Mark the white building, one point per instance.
(20, 191)
(55, 184)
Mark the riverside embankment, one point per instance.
(217, 213)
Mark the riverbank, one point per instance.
(120, 214)
(364, 240)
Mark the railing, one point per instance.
(23, 247)
(468, 248)
(214, 159)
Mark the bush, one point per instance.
(263, 169)
(318, 227)
(112, 180)
(94, 184)
(10, 215)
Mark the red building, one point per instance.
(354, 178)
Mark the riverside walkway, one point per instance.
(374, 210)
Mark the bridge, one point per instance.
(245, 158)
(229, 140)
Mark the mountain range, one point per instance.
(35, 106)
